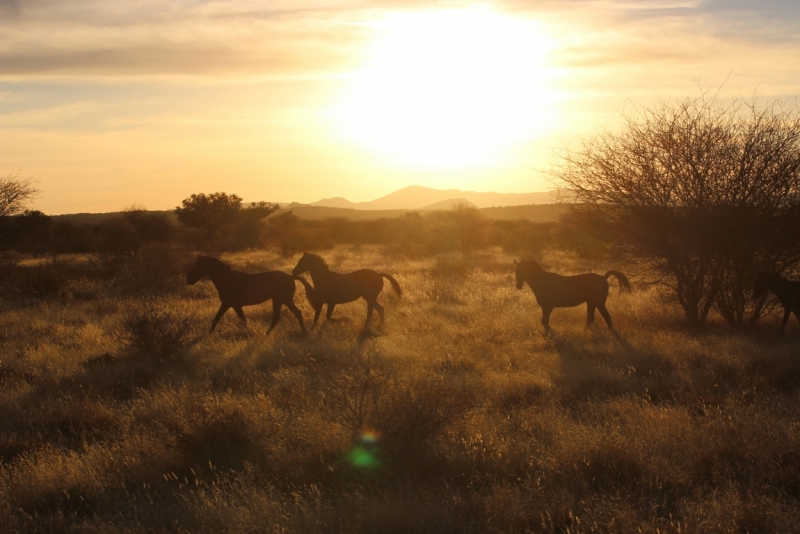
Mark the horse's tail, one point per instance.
(624, 284)
(310, 295)
(394, 283)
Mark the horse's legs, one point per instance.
(317, 311)
(786, 313)
(369, 314)
(296, 311)
(240, 314)
(276, 314)
(606, 315)
(330, 311)
(380, 310)
(589, 314)
(546, 319)
(222, 309)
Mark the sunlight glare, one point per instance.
(450, 88)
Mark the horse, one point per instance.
(787, 291)
(237, 289)
(333, 288)
(555, 291)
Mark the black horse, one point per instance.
(334, 288)
(555, 291)
(787, 291)
(237, 289)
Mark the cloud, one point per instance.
(92, 37)
(10, 9)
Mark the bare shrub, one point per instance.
(450, 267)
(45, 281)
(406, 410)
(707, 195)
(157, 268)
(15, 194)
(156, 332)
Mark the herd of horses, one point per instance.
(237, 289)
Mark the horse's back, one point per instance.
(246, 289)
(555, 290)
(339, 288)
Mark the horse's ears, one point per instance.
(516, 262)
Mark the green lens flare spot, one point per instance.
(362, 458)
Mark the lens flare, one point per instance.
(365, 454)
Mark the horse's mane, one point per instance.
(316, 259)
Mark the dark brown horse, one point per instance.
(334, 288)
(237, 289)
(787, 291)
(555, 291)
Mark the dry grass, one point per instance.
(458, 415)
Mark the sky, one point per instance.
(108, 104)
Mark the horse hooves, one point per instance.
(369, 334)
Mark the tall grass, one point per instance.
(458, 416)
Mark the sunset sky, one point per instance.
(110, 103)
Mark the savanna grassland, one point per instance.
(120, 413)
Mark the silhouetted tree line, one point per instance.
(122, 236)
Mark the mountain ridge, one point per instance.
(419, 197)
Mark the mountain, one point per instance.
(418, 197)
(532, 212)
(335, 202)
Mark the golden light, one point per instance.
(450, 89)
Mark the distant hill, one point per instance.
(448, 204)
(531, 212)
(418, 197)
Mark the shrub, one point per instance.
(404, 411)
(157, 268)
(156, 332)
(707, 195)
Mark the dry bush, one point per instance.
(406, 410)
(157, 268)
(156, 332)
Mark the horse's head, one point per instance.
(526, 271)
(204, 266)
(308, 262)
(764, 281)
(302, 265)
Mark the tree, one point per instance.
(706, 195)
(283, 232)
(218, 212)
(15, 195)
(124, 235)
(469, 227)
(209, 213)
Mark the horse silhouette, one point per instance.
(333, 288)
(555, 291)
(787, 291)
(237, 289)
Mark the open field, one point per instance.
(459, 415)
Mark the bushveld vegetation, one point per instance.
(121, 414)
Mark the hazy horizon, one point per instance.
(108, 105)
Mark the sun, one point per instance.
(450, 88)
